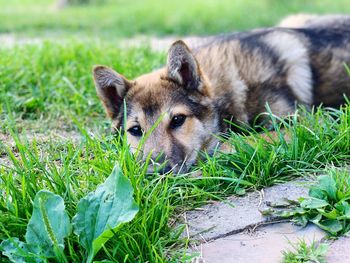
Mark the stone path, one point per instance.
(160, 44)
(9, 40)
(264, 245)
(239, 213)
(235, 230)
(339, 251)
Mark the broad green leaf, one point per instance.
(18, 251)
(341, 206)
(328, 184)
(301, 220)
(347, 211)
(316, 219)
(331, 226)
(46, 230)
(340, 195)
(301, 211)
(101, 212)
(344, 209)
(347, 228)
(348, 182)
(315, 192)
(313, 203)
(49, 224)
(330, 215)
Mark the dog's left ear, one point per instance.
(183, 67)
(111, 87)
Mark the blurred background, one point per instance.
(110, 19)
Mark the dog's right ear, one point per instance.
(183, 67)
(111, 87)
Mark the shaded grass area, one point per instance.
(127, 18)
(53, 83)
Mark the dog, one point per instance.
(175, 111)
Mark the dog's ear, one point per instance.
(111, 87)
(183, 67)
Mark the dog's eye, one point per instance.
(177, 121)
(136, 131)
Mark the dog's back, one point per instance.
(310, 20)
(329, 51)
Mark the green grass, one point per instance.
(304, 253)
(53, 82)
(122, 18)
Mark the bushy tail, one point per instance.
(297, 20)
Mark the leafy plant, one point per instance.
(99, 214)
(46, 231)
(302, 252)
(328, 204)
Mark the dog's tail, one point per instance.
(297, 20)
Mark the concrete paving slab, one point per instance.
(339, 251)
(238, 213)
(162, 44)
(264, 245)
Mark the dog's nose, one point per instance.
(165, 169)
(160, 163)
(158, 157)
(159, 168)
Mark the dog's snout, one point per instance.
(165, 169)
(159, 168)
(158, 157)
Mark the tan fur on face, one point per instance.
(180, 147)
(191, 136)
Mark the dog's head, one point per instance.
(170, 110)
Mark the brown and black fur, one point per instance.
(230, 77)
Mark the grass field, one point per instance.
(48, 88)
(121, 18)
